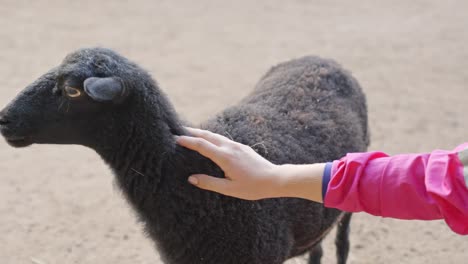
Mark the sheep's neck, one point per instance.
(153, 178)
(137, 148)
(138, 157)
(150, 166)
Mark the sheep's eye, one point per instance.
(72, 92)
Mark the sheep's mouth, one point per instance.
(18, 142)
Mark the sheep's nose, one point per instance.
(3, 120)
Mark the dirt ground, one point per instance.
(58, 204)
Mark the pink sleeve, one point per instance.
(410, 186)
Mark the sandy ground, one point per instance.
(58, 204)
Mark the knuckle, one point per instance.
(202, 133)
(198, 142)
(240, 149)
(210, 185)
(230, 152)
(234, 147)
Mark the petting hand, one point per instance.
(248, 175)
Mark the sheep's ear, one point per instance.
(108, 89)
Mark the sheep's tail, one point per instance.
(342, 238)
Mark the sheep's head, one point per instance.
(71, 101)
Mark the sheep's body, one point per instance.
(303, 111)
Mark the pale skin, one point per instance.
(248, 175)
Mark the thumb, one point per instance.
(209, 183)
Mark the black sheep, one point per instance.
(303, 111)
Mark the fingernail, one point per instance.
(193, 180)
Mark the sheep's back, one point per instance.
(306, 110)
(303, 111)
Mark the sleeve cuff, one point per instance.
(326, 179)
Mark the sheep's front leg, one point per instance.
(315, 254)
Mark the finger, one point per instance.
(214, 138)
(210, 183)
(203, 147)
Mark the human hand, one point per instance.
(248, 175)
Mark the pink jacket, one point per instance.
(409, 186)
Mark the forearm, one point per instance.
(300, 181)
